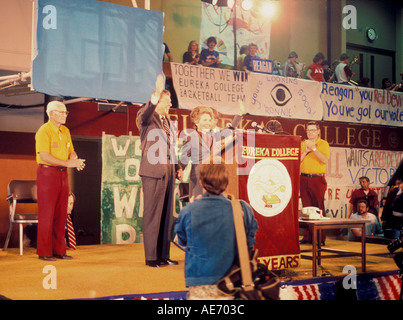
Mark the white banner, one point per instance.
(361, 105)
(217, 88)
(347, 165)
(279, 96)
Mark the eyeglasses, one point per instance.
(63, 112)
(311, 130)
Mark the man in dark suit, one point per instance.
(158, 170)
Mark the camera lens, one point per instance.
(394, 245)
(399, 260)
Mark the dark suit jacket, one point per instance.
(157, 171)
(156, 154)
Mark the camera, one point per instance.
(396, 244)
(393, 246)
(399, 260)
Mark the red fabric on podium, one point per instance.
(269, 174)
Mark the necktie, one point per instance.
(70, 233)
(166, 128)
(206, 138)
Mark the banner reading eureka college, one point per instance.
(217, 88)
(265, 95)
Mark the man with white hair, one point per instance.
(54, 154)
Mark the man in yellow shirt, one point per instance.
(54, 154)
(315, 153)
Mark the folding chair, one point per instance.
(20, 191)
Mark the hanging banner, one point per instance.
(217, 88)
(94, 49)
(278, 96)
(361, 105)
(347, 165)
(271, 187)
(251, 27)
(121, 199)
(121, 190)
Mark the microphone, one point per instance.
(229, 126)
(255, 125)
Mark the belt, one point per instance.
(312, 175)
(53, 167)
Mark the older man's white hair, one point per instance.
(55, 105)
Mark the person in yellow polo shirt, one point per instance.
(54, 154)
(315, 153)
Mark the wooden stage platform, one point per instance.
(111, 270)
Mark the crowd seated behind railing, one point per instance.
(339, 71)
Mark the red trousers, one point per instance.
(312, 191)
(53, 194)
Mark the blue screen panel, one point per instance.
(94, 49)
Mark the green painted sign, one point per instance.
(122, 198)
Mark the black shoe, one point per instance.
(322, 243)
(303, 241)
(62, 256)
(169, 262)
(153, 263)
(47, 258)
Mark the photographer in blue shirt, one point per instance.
(206, 228)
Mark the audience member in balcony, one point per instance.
(328, 73)
(167, 53)
(343, 71)
(290, 66)
(315, 70)
(365, 82)
(388, 85)
(243, 52)
(210, 57)
(192, 56)
(248, 62)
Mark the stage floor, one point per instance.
(112, 270)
